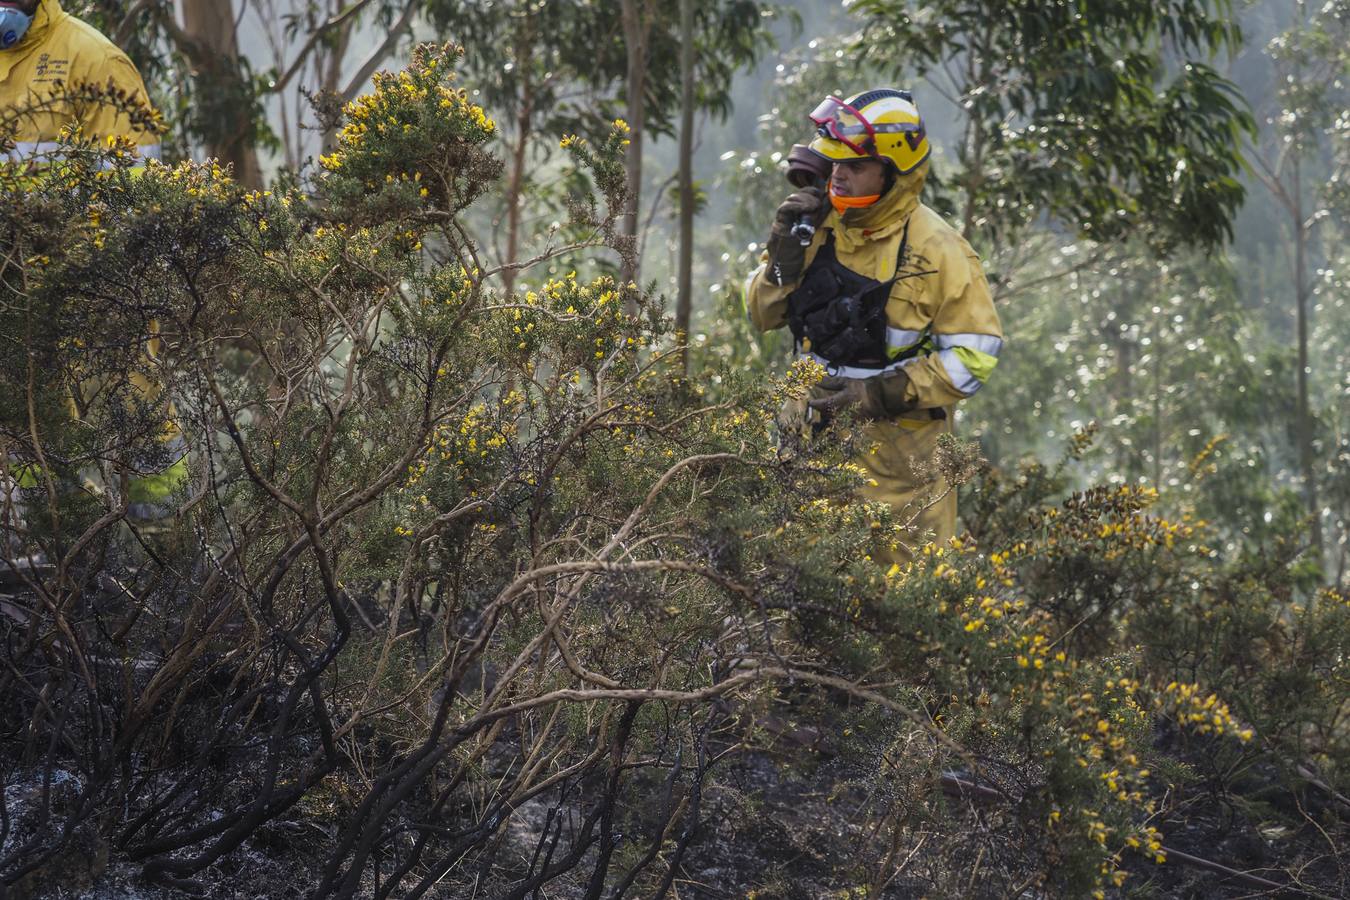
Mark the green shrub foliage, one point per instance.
(482, 588)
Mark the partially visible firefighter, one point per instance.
(63, 83)
(45, 54)
(886, 296)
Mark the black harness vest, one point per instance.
(840, 315)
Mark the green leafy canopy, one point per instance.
(1105, 116)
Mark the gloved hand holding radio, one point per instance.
(879, 397)
(787, 254)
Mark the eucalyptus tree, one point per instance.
(235, 101)
(545, 67)
(727, 35)
(1302, 158)
(575, 66)
(1105, 118)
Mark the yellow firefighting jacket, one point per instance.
(941, 318)
(60, 50)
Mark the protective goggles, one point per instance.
(836, 119)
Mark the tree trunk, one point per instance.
(1158, 319)
(330, 62)
(1303, 416)
(209, 25)
(974, 139)
(382, 52)
(517, 177)
(636, 18)
(684, 298)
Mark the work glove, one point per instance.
(879, 397)
(787, 255)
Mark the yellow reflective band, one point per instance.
(899, 340)
(153, 488)
(977, 363)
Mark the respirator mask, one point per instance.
(13, 26)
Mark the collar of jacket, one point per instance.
(49, 14)
(882, 219)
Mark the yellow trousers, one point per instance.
(900, 461)
(899, 455)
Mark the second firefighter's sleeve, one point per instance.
(965, 334)
(766, 300)
(114, 117)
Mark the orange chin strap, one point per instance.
(843, 204)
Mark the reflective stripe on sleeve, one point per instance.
(745, 294)
(968, 358)
(156, 487)
(968, 369)
(898, 340)
(985, 343)
(25, 150)
(50, 151)
(981, 365)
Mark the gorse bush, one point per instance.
(481, 586)
(424, 520)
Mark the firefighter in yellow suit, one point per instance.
(887, 296)
(43, 50)
(46, 54)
